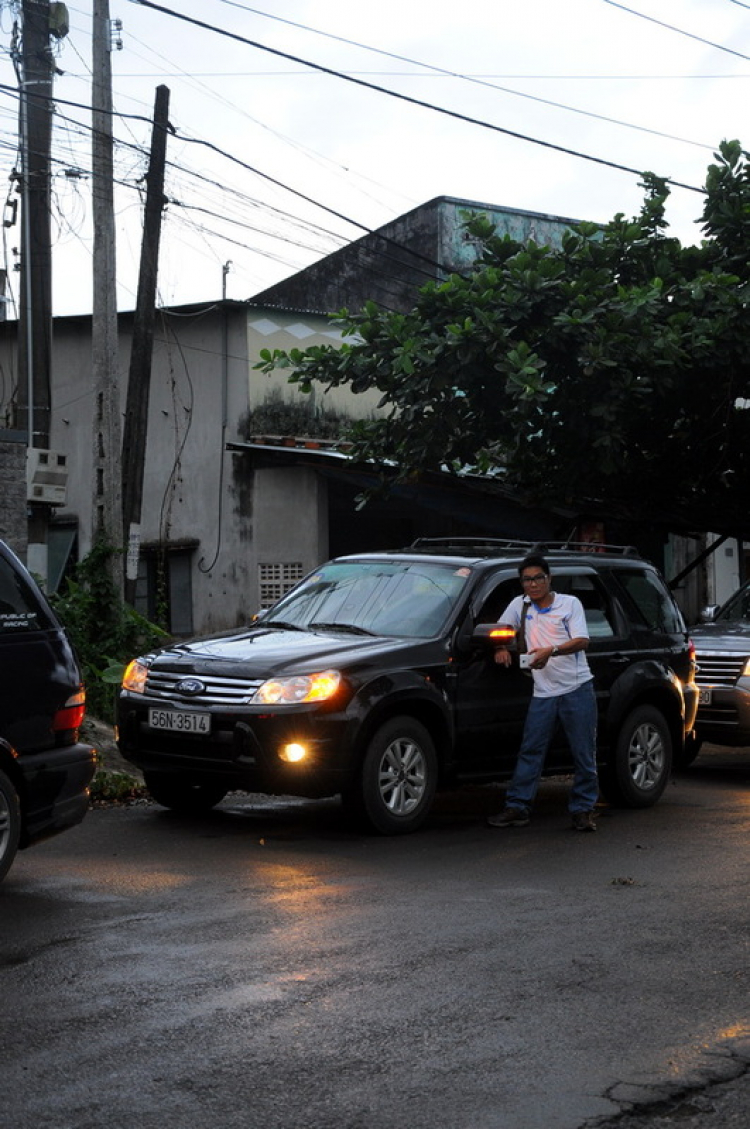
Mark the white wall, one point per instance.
(286, 330)
(723, 570)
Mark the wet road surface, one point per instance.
(265, 968)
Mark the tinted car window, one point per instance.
(19, 608)
(650, 605)
(599, 616)
(497, 600)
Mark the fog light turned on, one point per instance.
(293, 753)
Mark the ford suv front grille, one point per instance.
(719, 668)
(217, 691)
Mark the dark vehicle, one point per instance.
(374, 678)
(722, 644)
(44, 770)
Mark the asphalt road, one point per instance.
(264, 968)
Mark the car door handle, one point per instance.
(620, 660)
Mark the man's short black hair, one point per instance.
(534, 560)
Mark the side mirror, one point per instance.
(708, 615)
(495, 635)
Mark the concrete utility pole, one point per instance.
(107, 468)
(35, 307)
(139, 376)
(35, 67)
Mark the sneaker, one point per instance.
(510, 817)
(584, 821)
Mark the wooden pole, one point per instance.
(139, 377)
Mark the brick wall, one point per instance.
(13, 524)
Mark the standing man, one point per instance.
(556, 635)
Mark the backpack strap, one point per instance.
(522, 628)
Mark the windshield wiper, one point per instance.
(352, 627)
(279, 623)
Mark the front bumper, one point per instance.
(243, 749)
(725, 720)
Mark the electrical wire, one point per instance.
(198, 210)
(284, 217)
(311, 154)
(403, 97)
(477, 79)
(236, 160)
(416, 257)
(670, 27)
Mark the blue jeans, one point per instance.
(576, 712)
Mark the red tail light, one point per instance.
(71, 714)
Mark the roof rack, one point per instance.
(498, 546)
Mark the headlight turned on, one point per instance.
(300, 688)
(134, 678)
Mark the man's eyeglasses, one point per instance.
(538, 579)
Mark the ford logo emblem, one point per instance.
(190, 687)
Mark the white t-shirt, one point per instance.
(564, 619)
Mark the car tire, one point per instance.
(397, 780)
(10, 824)
(186, 796)
(642, 760)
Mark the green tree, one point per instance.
(610, 368)
(105, 631)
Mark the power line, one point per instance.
(311, 154)
(477, 79)
(449, 74)
(679, 30)
(427, 271)
(403, 97)
(432, 263)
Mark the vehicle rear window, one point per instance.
(20, 611)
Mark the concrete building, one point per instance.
(387, 266)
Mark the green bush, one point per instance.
(105, 631)
(115, 788)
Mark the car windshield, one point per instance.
(407, 598)
(738, 607)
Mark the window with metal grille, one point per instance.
(274, 580)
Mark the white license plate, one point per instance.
(704, 696)
(180, 721)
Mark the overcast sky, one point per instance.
(590, 76)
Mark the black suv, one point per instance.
(44, 770)
(722, 643)
(374, 678)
